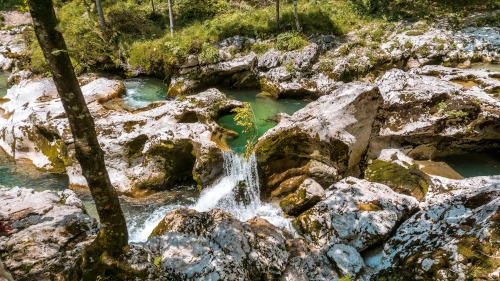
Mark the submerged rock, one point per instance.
(44, 231)
(153, 147)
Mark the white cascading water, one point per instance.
(236, 192)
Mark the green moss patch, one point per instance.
(410, 181)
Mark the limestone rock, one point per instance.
(306, 58)
(483, 78)
(355, 212)
(44, 229)
(224, 249)
(334, 130)
(308, 194)
(269, 60)
(151, 148)
(454, 238)
(435, 116)
(347, 259)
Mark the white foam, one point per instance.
(236, 192)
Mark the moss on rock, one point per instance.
(409, 181)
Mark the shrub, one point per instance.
(209, 53)
(260, 48)
(290, 41)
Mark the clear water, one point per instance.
(238, 192)
(474, 164)
(141, 91)
(263, 108)
(3, 83)
(485, 65)
(142, 214)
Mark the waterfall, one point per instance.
(238, 192)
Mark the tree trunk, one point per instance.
(101, 15)
(153, 5)
(112, 240)
(296, 15)
(278, 14)
(171, 18)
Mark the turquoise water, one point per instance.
(474, 164)
(137, 211)
(26, 175)
(142, 91)
(3, 83)
(263, 107)
(490, 66)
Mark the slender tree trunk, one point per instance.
(171, 18)
(278, 14)
(112, 240)
(296, 15)
(153, 5)
(101, 15)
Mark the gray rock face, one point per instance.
(269, 60)
(452, 239)
(222, 249)
(43, 230)
(149, 148)
(306, 58)
(435, 116)
(334, 130)
(355, 212)
(483, 78)
(307, 194)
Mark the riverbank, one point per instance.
(344, 179)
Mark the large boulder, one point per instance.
(434, 117)
(216, 246)
(357, 213)
(454, 238)
(334, 130)
(152, 148)
(40, 232)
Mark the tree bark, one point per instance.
(296, 15)
(278, 14)
(102, 23)
(112, 239)
(153, 5)
(171, 18)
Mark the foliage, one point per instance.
(188, 11)
(82, 35)
(261, 48)
(20, 5)
(290, 41)
(246, 118)
(157, 262)
(346, 278)
(209, 53)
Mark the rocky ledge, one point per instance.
(150, 148)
